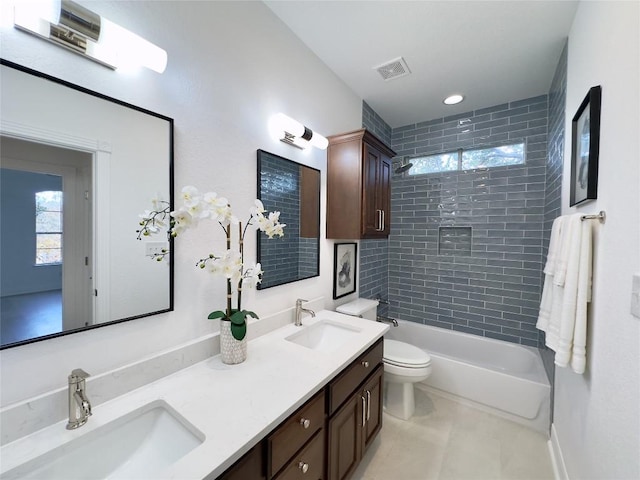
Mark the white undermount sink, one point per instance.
(139, 445)
(324, 336)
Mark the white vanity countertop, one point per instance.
(234, 406)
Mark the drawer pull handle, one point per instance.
(305, 422)
(368, 404)
(303, 466)
(364, 410)
(365, 364)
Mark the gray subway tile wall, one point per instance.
(494, 291)
(375, 124)
(308, 257)
(374, 254)
(282, 180)
(374, 271)
(553, 181)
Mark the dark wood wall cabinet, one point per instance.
(326, 437)
(358, 186)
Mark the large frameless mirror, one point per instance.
(293, 190)
(77, 169)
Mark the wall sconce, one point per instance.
(86, 33)
(290, 131)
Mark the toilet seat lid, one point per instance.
(405, 355)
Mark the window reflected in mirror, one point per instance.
(70, 196)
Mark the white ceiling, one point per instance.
(490, 51)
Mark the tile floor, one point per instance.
(448, 440)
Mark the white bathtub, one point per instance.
(507, 378)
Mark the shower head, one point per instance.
(403, 168)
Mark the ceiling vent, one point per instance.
(394, 69)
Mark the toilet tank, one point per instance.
(362, 307)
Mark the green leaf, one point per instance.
(251, 314)
(238, 331)
(238, 318)
(216, 314)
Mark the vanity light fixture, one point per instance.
(86, 33)
(453, 99)
(290, 131)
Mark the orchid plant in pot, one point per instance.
(229, 263)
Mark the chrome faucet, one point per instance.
(300, 311)
(79, 405)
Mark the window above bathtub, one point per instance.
(469, 159)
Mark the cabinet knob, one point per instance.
(303, 466)
(305, 422)
(365, 364)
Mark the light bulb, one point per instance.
(453, 99)
(319, 141)
(127, 49)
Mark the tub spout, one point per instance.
(392, 321)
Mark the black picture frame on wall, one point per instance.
(345, 266)
(585, 147)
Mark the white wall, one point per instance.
(597, 415)
(231, 66)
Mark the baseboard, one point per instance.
(557, 460)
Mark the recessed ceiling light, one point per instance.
(453, 99)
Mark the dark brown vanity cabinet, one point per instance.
(302, 430)
(358, 186)
(327, 436)
(357, 421)
(249, 467)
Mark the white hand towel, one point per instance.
(554, 246)
(567, 290)
(567, 318)
(553, 254)
(568, 231)
(579, 351)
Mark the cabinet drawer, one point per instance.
(294, 432)
(348, 381)
(309, 463)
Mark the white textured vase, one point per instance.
(232, 351)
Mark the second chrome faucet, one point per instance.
(79, 406)
(300, 310)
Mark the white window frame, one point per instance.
(459, 152)
(38, 233)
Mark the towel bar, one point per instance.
(600, 216)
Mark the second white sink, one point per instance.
(137, 445)
(324, 335)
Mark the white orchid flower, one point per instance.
(146, 215)
(231, 265)
(157, 203)
(182, 221)
(190, 196)
(274, 217)
(214, 267)
(253, 275)
(257, 209)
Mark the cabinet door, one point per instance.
(345, 438)
(383, 194)
(372, 392)
(371, 212)
(249, 467)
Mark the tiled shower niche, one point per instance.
(454, 241)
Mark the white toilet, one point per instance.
(404, 364)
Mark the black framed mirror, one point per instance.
(78, 168)
(293, 190)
